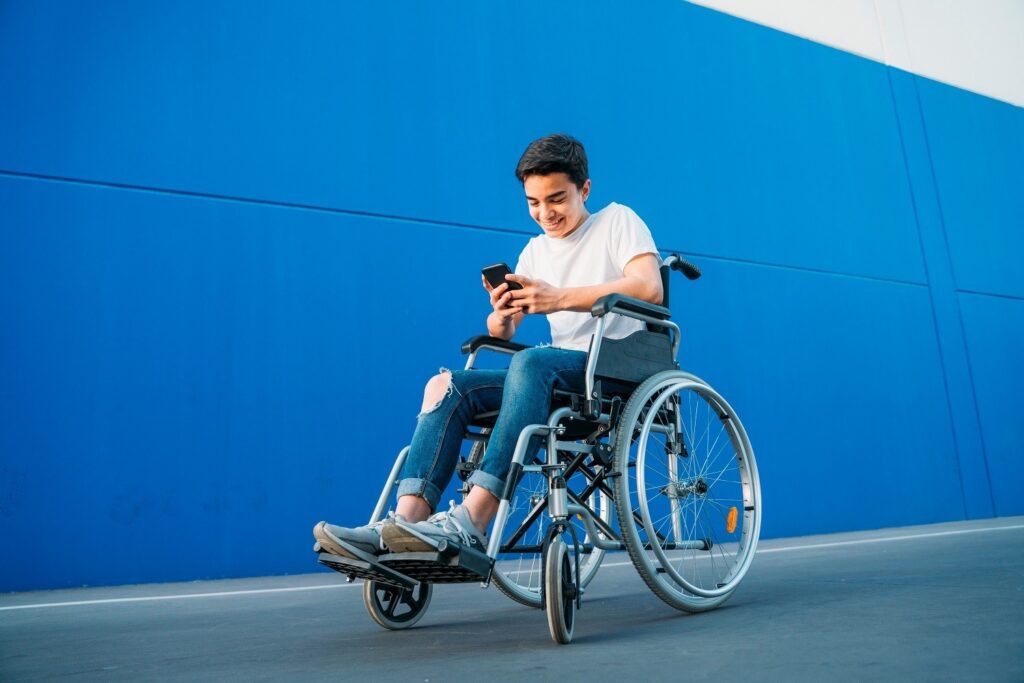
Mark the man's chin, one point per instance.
(556, 230)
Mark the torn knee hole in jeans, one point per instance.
(438, 388)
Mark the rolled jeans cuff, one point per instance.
(422, 488)
(488, 482)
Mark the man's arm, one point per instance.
(505, 317)
(641, 279)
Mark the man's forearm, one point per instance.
(583, 298)
(500, 327)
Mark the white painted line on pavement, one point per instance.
(259, 591)
(182, 596)
(886, 539)
(860, 541)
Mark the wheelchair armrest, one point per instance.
(625, 305)
(474, 344)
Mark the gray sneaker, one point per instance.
(452, 525)
(365, 538)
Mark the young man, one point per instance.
(579, 258)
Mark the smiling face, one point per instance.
(556, 203)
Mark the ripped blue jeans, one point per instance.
(521, 394)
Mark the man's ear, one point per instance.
(585, 190)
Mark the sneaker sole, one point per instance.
(398, 540)
(330, 543)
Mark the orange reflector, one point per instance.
(730, 521)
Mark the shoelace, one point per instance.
(387, 518)
(448, 523)
(378, 525)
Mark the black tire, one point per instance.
(395, 608)
(559, 595)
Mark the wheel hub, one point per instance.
(685, 487)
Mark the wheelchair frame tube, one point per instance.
(673, 500)
(518, 457)
(389, 487)
(553, 421)
(595, 349)
(673, 471)
(593, 533)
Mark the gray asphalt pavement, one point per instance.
(937, 603)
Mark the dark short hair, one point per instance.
(554, 154)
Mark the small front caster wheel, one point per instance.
(560, 591)
(396, 608)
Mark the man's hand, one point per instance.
(536, 296)
(501, 300)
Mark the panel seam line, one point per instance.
(421, 221)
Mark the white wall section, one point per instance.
(978, 46)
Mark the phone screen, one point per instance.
(496, 275)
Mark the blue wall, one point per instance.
(234, 237)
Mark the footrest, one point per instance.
(441, 561)
(465, 565)
(362, 569)
(447, 562)
(406, 570)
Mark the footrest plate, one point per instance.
(464, 566)
(406, 570)
(372, 571)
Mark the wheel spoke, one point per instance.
(391, 596)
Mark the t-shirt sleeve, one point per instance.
(630, 238)
(525, 264)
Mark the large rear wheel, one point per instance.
(688, 497)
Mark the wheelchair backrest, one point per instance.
(633, 359)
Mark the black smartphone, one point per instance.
(496, 275)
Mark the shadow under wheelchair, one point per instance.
(615, 614)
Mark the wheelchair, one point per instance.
(650, 460)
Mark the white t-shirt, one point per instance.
(595, 253)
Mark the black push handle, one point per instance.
(677, 262)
